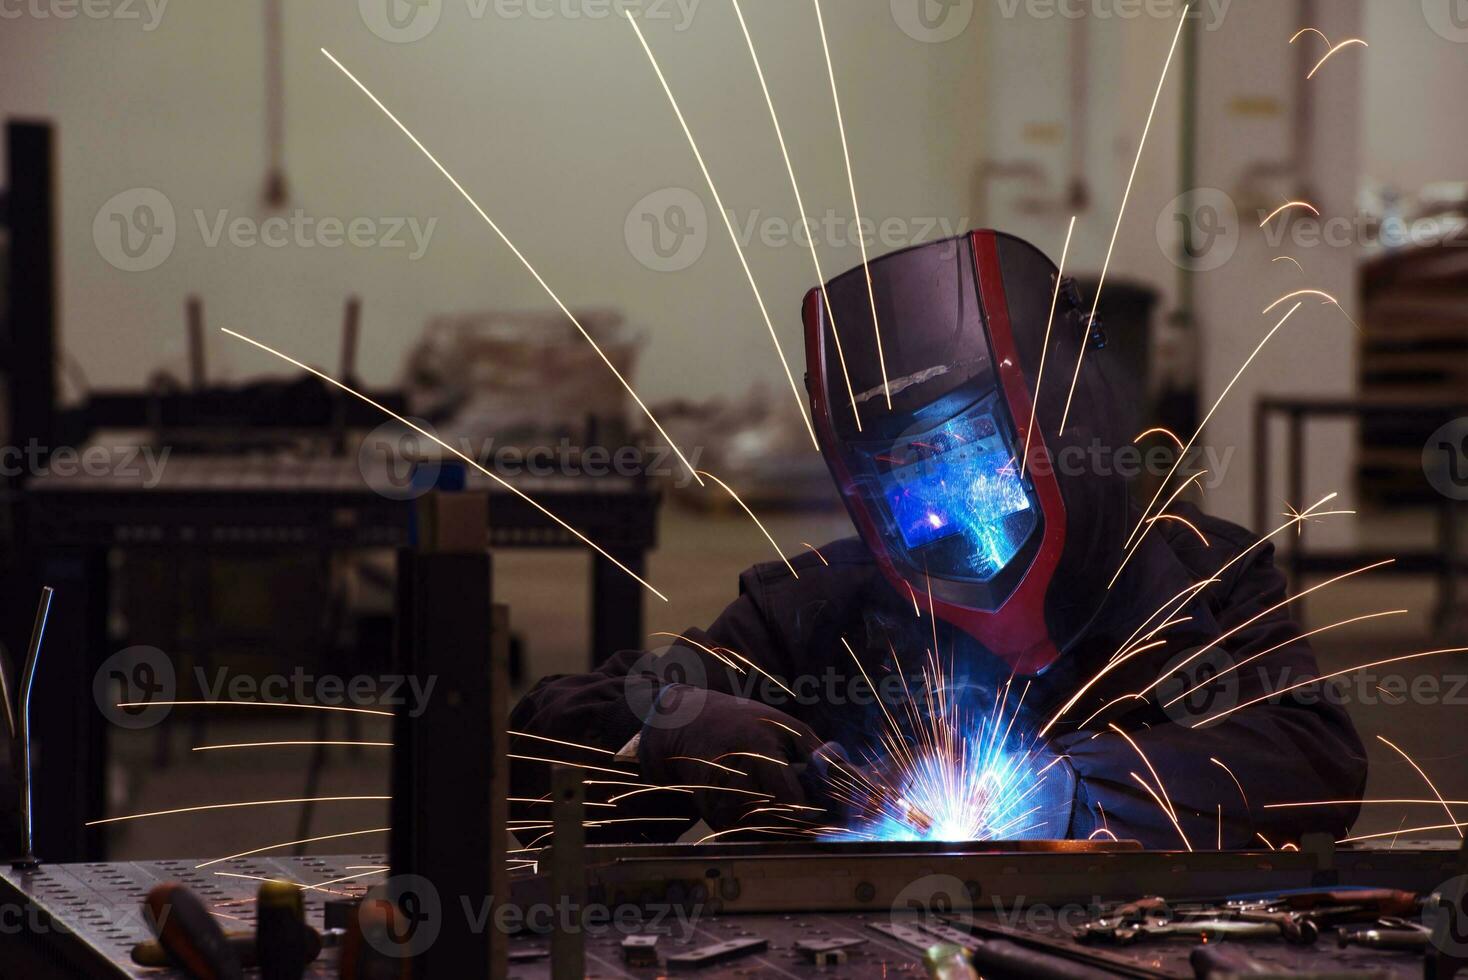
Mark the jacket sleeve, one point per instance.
(605, 708)
(1220, 774)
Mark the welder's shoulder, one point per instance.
(1206, 543)
(840, 570)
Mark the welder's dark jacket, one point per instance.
(1300, 746)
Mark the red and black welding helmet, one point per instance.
(1016, 556)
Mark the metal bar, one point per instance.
(30, 366)
(27, 685)
(568, 873)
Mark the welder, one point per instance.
(984, 528)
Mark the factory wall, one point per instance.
(548, 112)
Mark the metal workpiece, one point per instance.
(567, 863)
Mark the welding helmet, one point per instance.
(1015, 554)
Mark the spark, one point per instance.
(292, 843)
(707, 762)
(730, 490)
(688, 788)
(467, 459)
(1332, 52)
(855, 207)
(781, 724)
(1285, 207)
(1185, 523)
(818, 553)
(1286, 258)
(1160, 430)
(1220, 826)
(729, 224)
(1240, 786)
(556, 741)
(1329, 300)
(1266, 841)
(800, 206)
(573, 765)
(1258, 616)
(1207, 418)
(544, 802)
(752, 755)
(1436, 801)
(747, 830)
(1098, 832)
(1116, 231)
(1435, 792)
(1326, 677)
(271, 745)
(1309, 30)
(519, 255)
(1279, 646)
(1165, 811)
(253, 704)
(1455, 825)
(235, 806)
(717, 653)
(1181, 489)
(706, 649)
(1045, 347)
(1108, 704)
(1171, 811)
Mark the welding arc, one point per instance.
(1116, 231)
(729, 224)
(861, 239)
(465, 457)
(804, 217)
(519, 255)
(1045, 347)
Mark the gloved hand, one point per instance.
(731, 743)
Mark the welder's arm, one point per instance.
(1298, 748)
(606, 707)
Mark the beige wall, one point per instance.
(556, 124)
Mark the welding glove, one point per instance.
(1053, 798)
(751, 754)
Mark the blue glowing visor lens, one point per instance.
(960, 479)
